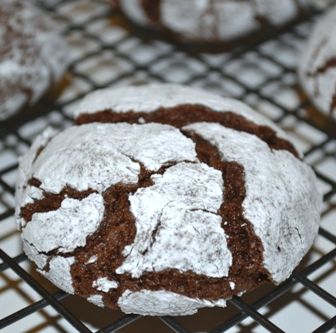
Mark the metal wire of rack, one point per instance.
(263, 75)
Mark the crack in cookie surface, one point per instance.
(242, 240)
(50, 201)
(118, 230)
(187, 283)
(246, 272)
(152, 9)
(183, 115)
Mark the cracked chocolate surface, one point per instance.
(50, 201)
(183, 115)
(118, 226)
(117, 230)
(150, 223)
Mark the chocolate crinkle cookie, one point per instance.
(215, 20)
(317, 68)
(164, 199)
(32, 55)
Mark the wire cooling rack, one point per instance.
(105, 52)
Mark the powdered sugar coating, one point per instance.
(23, 191)
(92, 260)
(319, 81)
(52, 231)
(59, 272)
(217, 19)
(175, 217)
(96, 300)
(82, 157)
(32, 194)
(94, 156)
(32, 56)
(151, 97)
(40, 259)
(161, 303)
(282, 201)
(104, 284)
(26, 161)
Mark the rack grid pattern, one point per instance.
(105, 53)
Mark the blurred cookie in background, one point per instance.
(317, 68)
(214, 20)
(33, 55)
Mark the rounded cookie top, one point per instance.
(317, 68)
(162, 209)
(133, 103)
(213, 19)
(32, 55)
